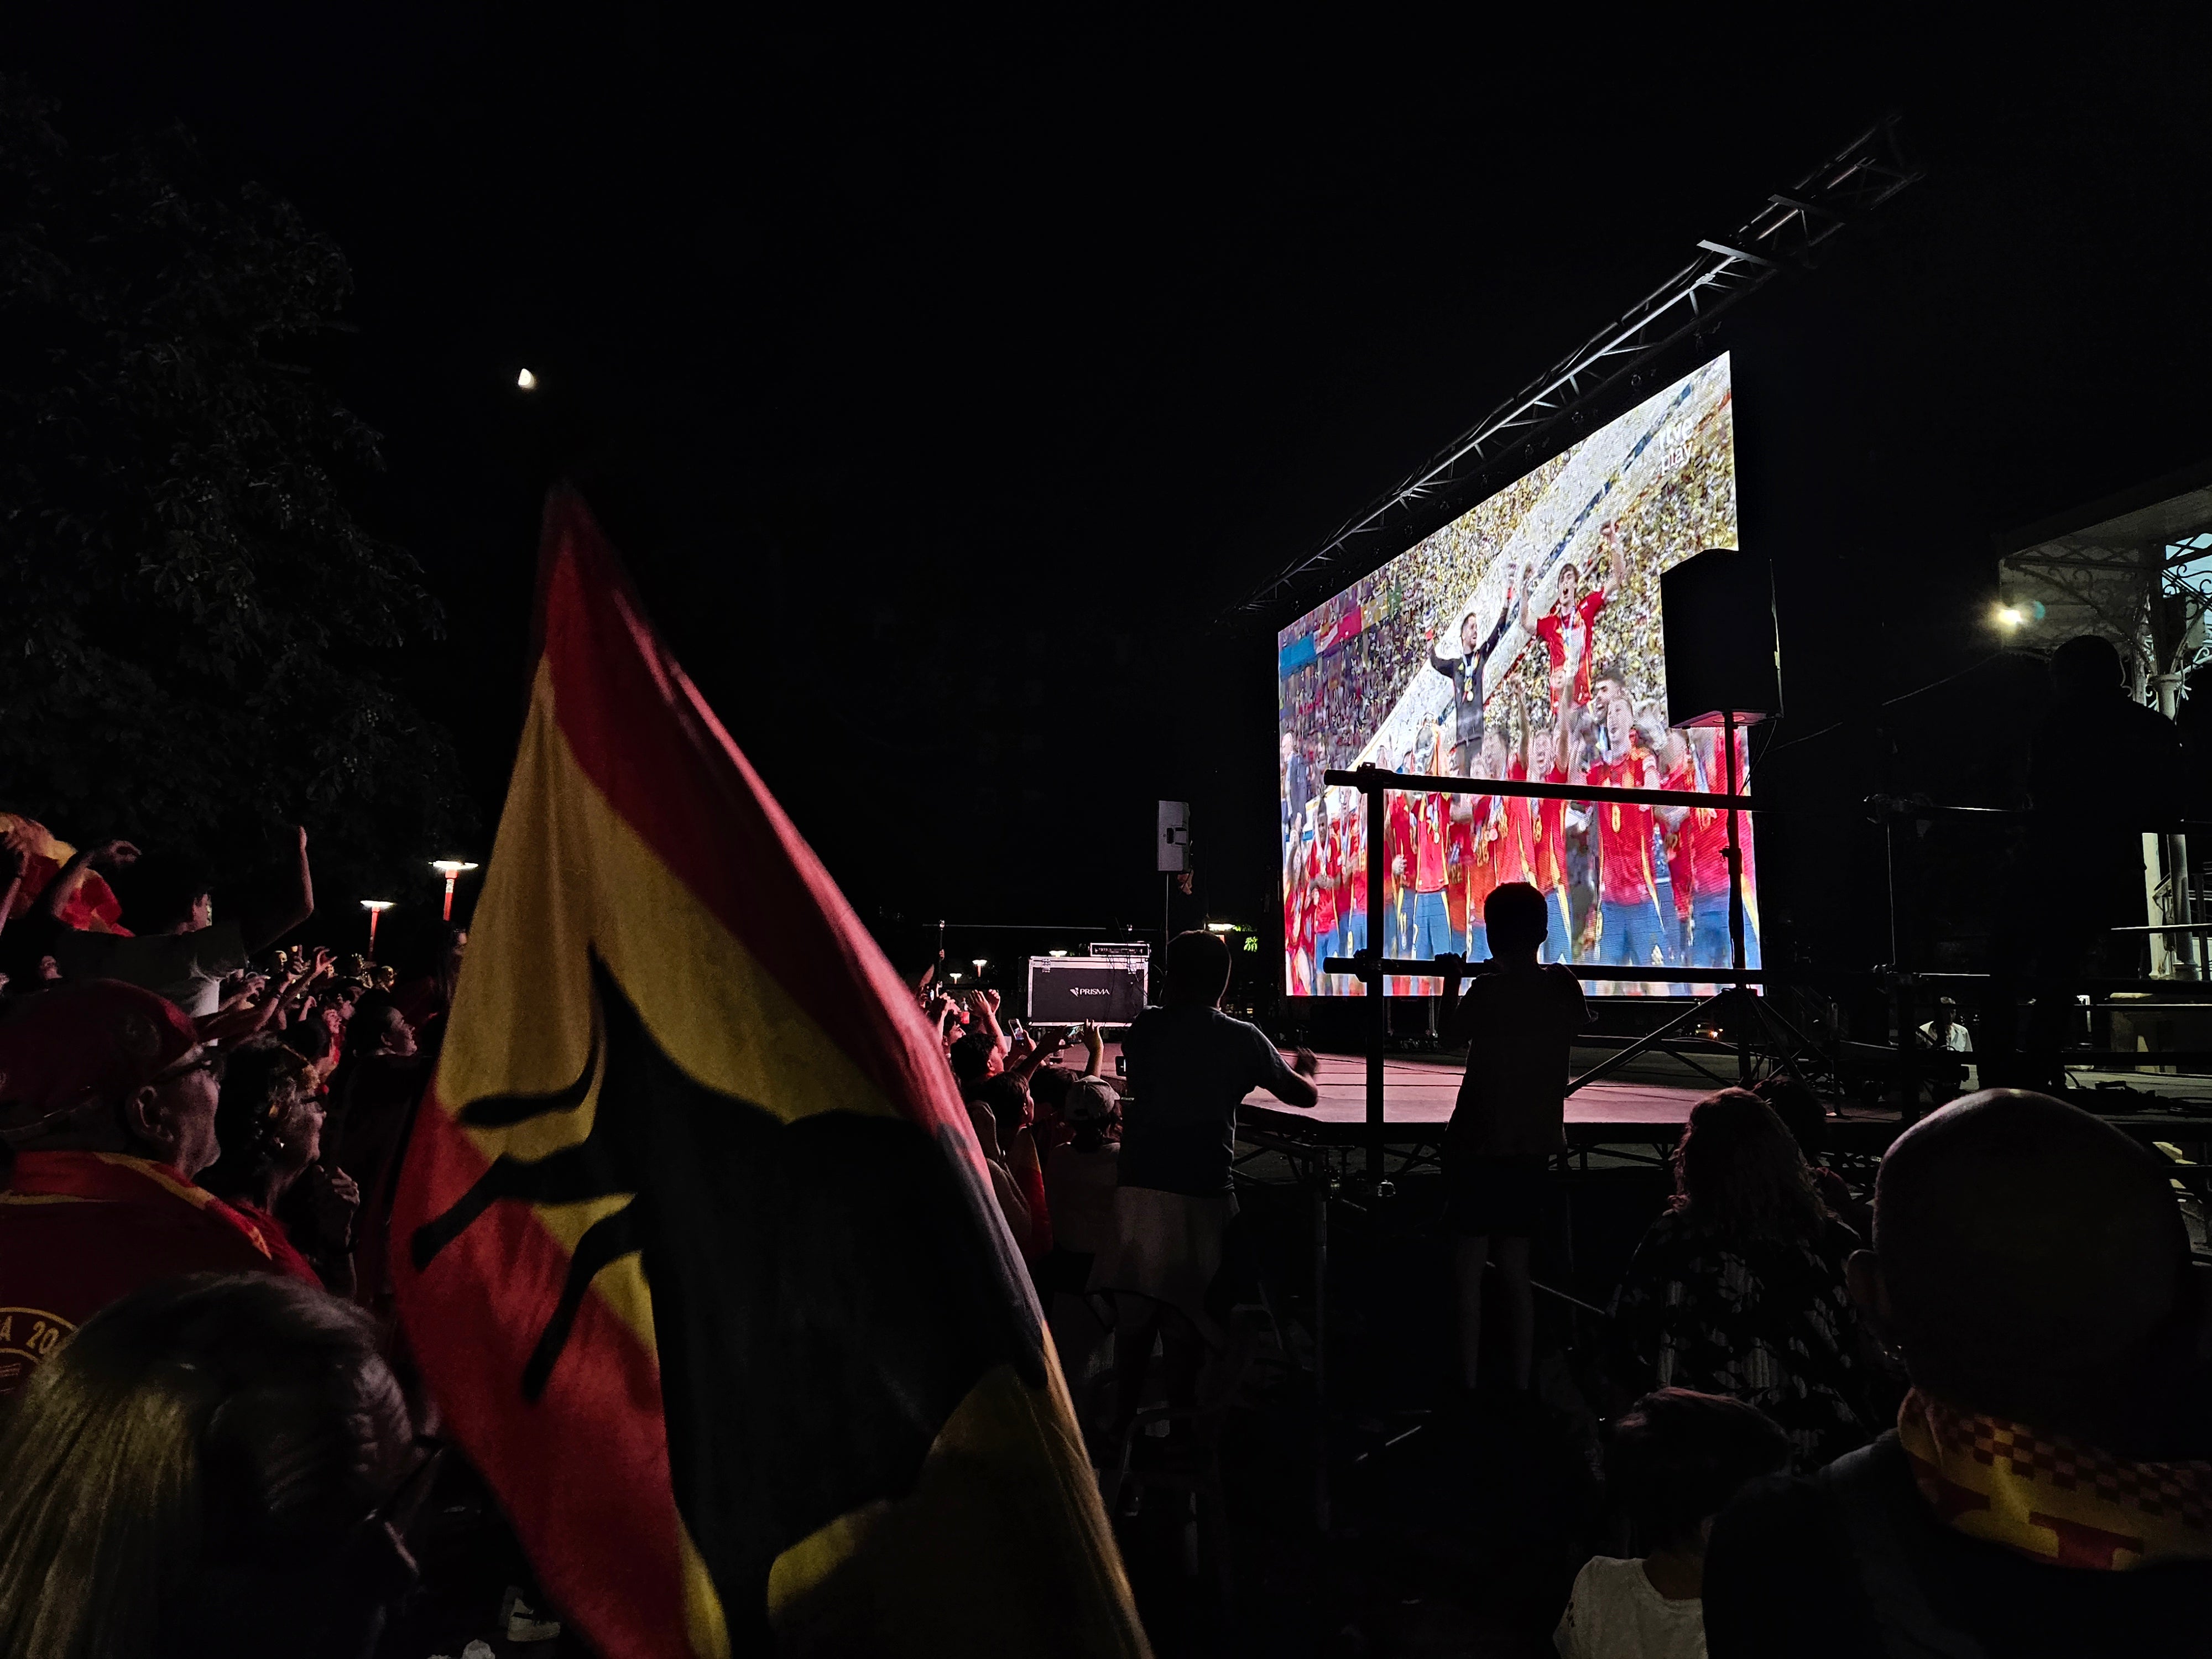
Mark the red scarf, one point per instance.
(116, 1178)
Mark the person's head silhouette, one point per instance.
(2087, 665)
(2030, 1263)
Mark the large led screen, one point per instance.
(1521, 641)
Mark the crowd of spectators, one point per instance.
(209, 1426)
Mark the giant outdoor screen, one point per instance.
(1521, 641)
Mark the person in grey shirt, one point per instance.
(1189, 1066)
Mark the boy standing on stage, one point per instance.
(1518, 1020)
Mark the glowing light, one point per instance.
(1220, 927)
(2011, 615)
(376, 908)
(1060, 953)
(981, 964)
(526, 380)
(451, 870)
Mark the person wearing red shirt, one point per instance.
(1547, 847)
(1568, 630)
(1355, 871)
(1397, 885)
(1432, 933)
(1706, 831)
(1459, 866)
(1679, 772)
(109, 1099)
(1324, 871)
(1486, 829)
(1628, 892)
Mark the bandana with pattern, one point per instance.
(2053, 1499)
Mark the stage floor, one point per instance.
(1418, 1095)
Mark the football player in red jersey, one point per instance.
(1398, 883)
(1628, 892)
(1707, 833)
(1678, 770)
(1548, 848)
(1568, 630)
(1324, 875)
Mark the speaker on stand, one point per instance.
(1724, 670)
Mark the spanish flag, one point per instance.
(693, 1245)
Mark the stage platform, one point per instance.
(1418, 1092)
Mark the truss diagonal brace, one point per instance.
(1783, 234)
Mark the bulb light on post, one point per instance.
(2010, 615)
(451, 870)
(376, 908)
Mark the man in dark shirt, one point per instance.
(1189, 1067)
(2046, 1490)
(1466, 671)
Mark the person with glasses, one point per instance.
(107, 1117)
(220, 1464)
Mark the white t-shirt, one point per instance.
(187, 968)
(1614, 1613)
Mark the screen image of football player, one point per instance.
(1432, 933)
(1324, 868)
(1547, 856)
(1568, 629)
(1352, 835)
(1399, 875)
(1632, 934)
(1466, 673)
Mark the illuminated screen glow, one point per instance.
(1522, 640)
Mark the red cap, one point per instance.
(98, 1038)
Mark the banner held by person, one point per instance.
(694, 1245)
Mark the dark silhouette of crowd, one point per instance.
(1966, 1417)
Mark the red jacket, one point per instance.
(79, 1230)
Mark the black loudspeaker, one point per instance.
(1071, 989)
(1716, 609)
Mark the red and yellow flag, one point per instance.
(693, 1242)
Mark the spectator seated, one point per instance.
(1739, 1288)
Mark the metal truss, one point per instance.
(1784, 235)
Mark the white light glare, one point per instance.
(526, 380)
(2011, 615)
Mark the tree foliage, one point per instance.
(197, 636)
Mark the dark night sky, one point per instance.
(940, 385)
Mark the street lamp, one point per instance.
(375, 907)
(451, 869)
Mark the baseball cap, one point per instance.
(1090, 1100)
(99, 1038)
